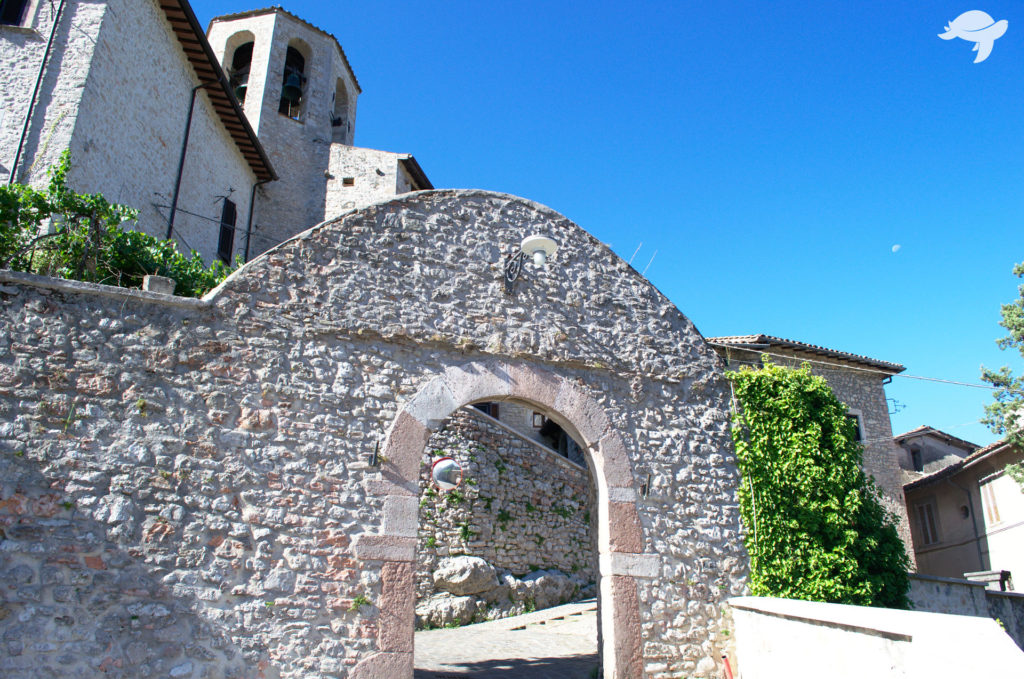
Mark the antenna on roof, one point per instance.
(644, 272)
(630, 262)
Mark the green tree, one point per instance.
(85, 240)
(1005, 416)
(816, 528)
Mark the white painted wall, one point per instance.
(784, 638)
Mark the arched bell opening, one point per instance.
(241, 64)
(238, 52)
(340, 124)
(293, 81)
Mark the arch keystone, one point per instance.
(478, 381)
(532, 384)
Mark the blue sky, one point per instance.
(772, 154)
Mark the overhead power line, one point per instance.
(836, 366)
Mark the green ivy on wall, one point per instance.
(815, 526)
(85, 241)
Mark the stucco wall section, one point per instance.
(217, 451)
(783, 638)
(964, 597)
(21, 53)
(130, 128)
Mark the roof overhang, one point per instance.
(925, 430)
(764, 343)
(417, 173)
(974, 458)
(208, 70)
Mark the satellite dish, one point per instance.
(446, 473)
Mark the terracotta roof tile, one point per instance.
(769, 341)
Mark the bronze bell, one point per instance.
(240, 91)
(292, 90)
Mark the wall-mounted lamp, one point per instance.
(540, 248)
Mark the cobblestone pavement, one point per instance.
(556, 643)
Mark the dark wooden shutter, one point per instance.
(226, 242)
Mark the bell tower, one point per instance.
(299, 93)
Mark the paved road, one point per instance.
(556, 643)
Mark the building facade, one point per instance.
(859, 382)
(230, 144)
(966, 511)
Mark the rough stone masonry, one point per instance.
(184, 487)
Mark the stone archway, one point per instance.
(620, 537)
(219, 447)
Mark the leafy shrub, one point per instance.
(87, 242)
(816, 529)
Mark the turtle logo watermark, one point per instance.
(977, 27)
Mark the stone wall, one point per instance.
(521, 507)
(863, 393)
(374, 176)
(186, 488)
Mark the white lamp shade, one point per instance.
(540, 248)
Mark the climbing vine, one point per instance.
(816, 529)
(58, 232)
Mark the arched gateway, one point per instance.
(218, 452)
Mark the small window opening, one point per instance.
(12, 12)
(988, 499)
(292, 84)
(856, 425)
(226, 242)
(488, 408)
(915, 459)
(926, 524)
(557, 438)
(538, 420)
(348, 181)
(241, 63)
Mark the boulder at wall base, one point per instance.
(445, 611)
(550, 588)
(462, 575)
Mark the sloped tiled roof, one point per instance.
(925, 430)
(946, 472)
(281, 10)
(208, 70)
(756, 342)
